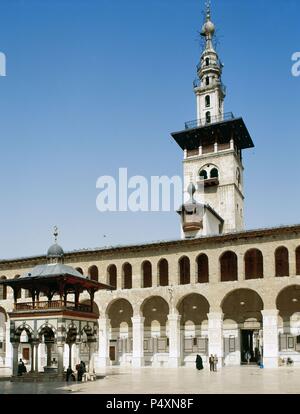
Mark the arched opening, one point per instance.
(298, 261)
(288, 305)
(24, 338)
(184, 271)
(254, 266)
(47, 349)
(93, 273)
(203, 175)
(208, 117)
(112, 275)
(120, 313)
(155, 311)
(229, 267)
(207, 80)
(3, 289)
(3, 320)
(79, 269)
(127, 276)
(147, 274)
(207, 101)
(202, 269)
(282, 268)
(242, 327)
(214, 173)
(193, 310)
(163, 272)
(207, 61)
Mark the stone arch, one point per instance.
(163, 272)
(79, 269)
(112, 275)
(3, 289)
(254, 264)
(228, 267)
(93, 273)
(126, 276)
(45, 327)
(242, 304)
(193, 307)
(202, 268)
(288, 301)
(119, 310)
(184, 270)
(3, 311)
(155, 308)
(25, 327)
(147, 274)
(282, 267)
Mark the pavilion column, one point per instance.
(270, 338)
(32, 357)
(60, 361)
(8, 346)
(103, 351)
(138, 341)
(70, 355)
(174, 340)
(48, 364)
(91, 356)
(36, 353)
(15, 346)
(215, 336)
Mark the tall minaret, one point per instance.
(208, 87)
(212, 150)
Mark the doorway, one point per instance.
(250, 346)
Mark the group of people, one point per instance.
(81, 370)
(213, 363)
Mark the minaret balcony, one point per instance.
(196, 123)
(205, 88)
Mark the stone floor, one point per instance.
(237, 380)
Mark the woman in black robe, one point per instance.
(199, 363)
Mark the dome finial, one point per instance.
(55, 233)
(208, 10)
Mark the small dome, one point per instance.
(208, 28)
(55, 251)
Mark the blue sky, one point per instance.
(96, 85)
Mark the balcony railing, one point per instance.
(208, 121)
(214, 65)
(197, 84)
(53, 304)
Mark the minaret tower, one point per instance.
(212, 147)
(208, 87)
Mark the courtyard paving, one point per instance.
(230, 380)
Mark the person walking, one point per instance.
(199, 363)
(215, 363)
(211, 363)
(21, 368)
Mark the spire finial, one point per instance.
(208, 4)
(55, 233)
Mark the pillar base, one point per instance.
(271, 362)
(174, 362)
(137, 362)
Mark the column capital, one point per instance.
(215, 315)
(270, 312)
(174, 317)
(137, 319)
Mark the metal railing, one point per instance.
(53, 304)
(209, 120)
(197, 84)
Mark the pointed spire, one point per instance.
(208, 10)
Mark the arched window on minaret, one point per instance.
(207, 80)
(203, 175)
(208, 117)
(207, 61)
(214, 173)
(207, 101)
